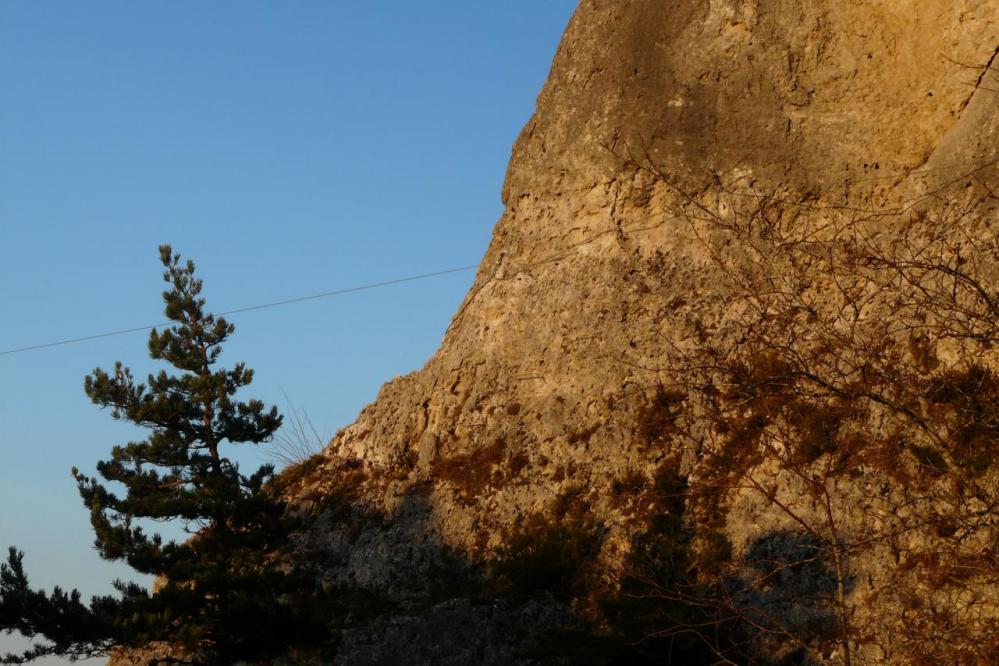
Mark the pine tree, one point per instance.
(233, 590)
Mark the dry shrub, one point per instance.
(518, 462)
(298, 475)
(556, 553)
(967, 400)
(627, 487)
(657, 421)
(471, 473)
(856, 398)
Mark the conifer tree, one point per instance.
(233, 590)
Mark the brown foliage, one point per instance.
(863, 376)
(556, 552)
(473, 472)
(658, 420)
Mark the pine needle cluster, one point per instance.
(235, 589)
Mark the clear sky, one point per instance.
(289, 148)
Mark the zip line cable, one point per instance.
(249, 308)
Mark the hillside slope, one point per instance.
(627, 250)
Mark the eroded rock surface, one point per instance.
(542, 380)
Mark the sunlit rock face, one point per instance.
(816, 95)
(543, 382)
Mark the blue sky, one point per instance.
(289, 149)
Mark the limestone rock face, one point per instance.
(541, 381)
(818, 94)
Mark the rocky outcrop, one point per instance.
(548, 372)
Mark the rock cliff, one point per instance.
(666, 129)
